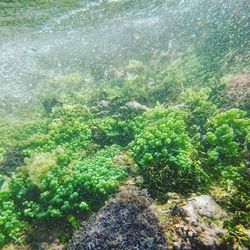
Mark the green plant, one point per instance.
(12, 228)
(240, 207)
(135, 84)
(109, 131)
(236, 236)
(69, 127)
(61, 191)
(163, 152)
(198, 109)
(56, 192)
(227, 141)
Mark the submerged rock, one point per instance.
(205, 219)
(135, 106)
(118, 107)
(237, 92)
(125, 223)
(194, 223)
(12, 159)
(202, 206)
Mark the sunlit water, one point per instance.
(94, 35)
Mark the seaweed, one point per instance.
(126, 222)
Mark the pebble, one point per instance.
(190, 234)
(218, 231)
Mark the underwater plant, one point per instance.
(99, 96)
(126, 222)
(163, 152)
(58, 192)
(227, 141)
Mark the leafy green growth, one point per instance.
(57, 192)
(198, 109)
(82, 185)
(227, 141)
(69, 127)
(11, 227)
(109, 131)
(13, 136)
(163, 152)
(176, 149)
(239, 206)
(74, 89)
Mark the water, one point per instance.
(45, 40)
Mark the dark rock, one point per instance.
(50, 103)
(12, 159)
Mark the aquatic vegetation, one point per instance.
(71, 164)
(12, 159)
(38, 165)
(239, 205)
(11, 227)
(13, 135)
(199, 109)
(236, 92)
(68, 127)
(110, 131)
(97, 96)
(163, 152)
(74, 89)
(126, 222)
(227, 140)
(81, 186)
(58, 192)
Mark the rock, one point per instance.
(195, 223)
(237, 92)
(198, 213)
(118, 107)
(202, 206)
(136, 106)
(248, 173)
